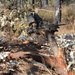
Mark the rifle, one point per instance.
(52, 27)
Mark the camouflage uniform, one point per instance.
(33, 21)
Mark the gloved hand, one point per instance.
(53, 29)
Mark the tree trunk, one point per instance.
(57, 8)
(59, 63)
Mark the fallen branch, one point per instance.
(40, 65)
(58, 62)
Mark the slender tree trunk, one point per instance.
(33, 1)
(44, 3)
(57, 9)
(4, 3)
(40, 3)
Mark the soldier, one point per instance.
(38, 20)
(34, 21)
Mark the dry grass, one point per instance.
(68, 17)
(46, 14)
